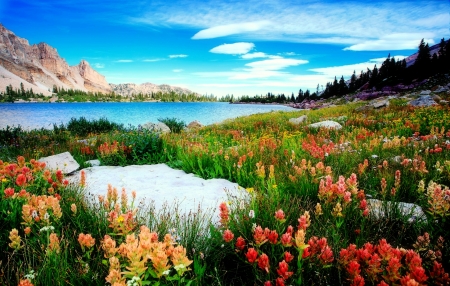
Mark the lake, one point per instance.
(44, 115)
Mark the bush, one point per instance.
(82, 126)
(174, 124)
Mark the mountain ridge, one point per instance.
(41, 68)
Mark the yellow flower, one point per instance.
(250, 190)
(4, 180)
(120, 219)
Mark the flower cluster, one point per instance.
(41, 210)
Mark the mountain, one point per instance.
(412, 58)
(40, 67)
(128, 89)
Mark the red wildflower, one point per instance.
(240, 243)
(9, 192)
(228, 235)
(251, 255)
(358, 281)
(286, 239)
(418, 274)
(279, 282)
(288, 257)
(327, 255)
(259, 235)
(21, 180)
(224, 215)
(353, 269)
(263, 262)
(273, 237)
(283, 270)
(267, 283)
(279, 215)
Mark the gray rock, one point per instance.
(156, 127)
(326, 124)
(425, 92)
(380, 103)
(379, 209)
(436, 97)
(64, 162)
(443, 102)
(424, 100)
(298, 120)
(441, 89)
(160, 186)
(93, 163)
(194, 125)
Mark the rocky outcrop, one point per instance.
(326, 124)
(41, 66)
(130, 89)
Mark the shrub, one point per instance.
(175, 125)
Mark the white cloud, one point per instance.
(347, 70)
(124, 61)
(346, 23)
(275, 64)
(177, 70)
(153, 60)
(399, 41)
(254, 55)
(233, 49)
(230, 29)
(178, 56)
(99, 65)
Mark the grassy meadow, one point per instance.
(323, 206)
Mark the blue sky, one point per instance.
(229, 47)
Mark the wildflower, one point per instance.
(73, 208)
(47, 228)
(300, 239)
(27, 230)
(251, 214)
(83, 178)
(318, 210)
(224, 216)
(86, 240)
(273, 237)
(9, 192)
(259, 235)
(240, 243)
(228, 235)
(337, 210)
(53, 246)
(304, 221)
(288, 257)
(109, 246)
(21, 180)
(279, 282)
(283, 270)
(263, 262)
(251, 255)
(25, 282)
(267, 283)
(279, 215)
(286, 239)
(16, 241)
(180, 260)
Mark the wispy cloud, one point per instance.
(275, 64)
(124, 61)
(233, 49)
(231, 29)
(99, 65)
(153, 60)
(177, 70)
(347, 23)
(401, 41)
(178, 56)
(254, 55)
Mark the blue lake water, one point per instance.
(44, 115)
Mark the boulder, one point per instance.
(441, 89)
(194, 125)
(380, 103)
(379, 209)
(159, 187)
(156, 127)
(424, 101)
(425, 92)
(64, 162)
(93, 163)
(298, 120)
(326, 124)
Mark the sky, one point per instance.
(229, 47)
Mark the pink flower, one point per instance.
(228, 235)
(251, 255)
(279, 215)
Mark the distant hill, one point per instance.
(39, 67)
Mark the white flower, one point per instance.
(47, 228)
(46, 216)
(374, 156)
(251, 214)
(166, 272)
(29, 276)
(34, 214)
(180, 266)
(242, 205)
(253, 227)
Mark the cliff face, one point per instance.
(128, 89)
(40, 65)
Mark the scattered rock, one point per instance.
(64, 162)
(364, 108)
(425, 92)
(380, 103)
(436, 97)
(156, 127)
(379, 209)
(194, 125)
(424, 100)
(299, 120)
(440, 89)
(443, 102)
(93, 163)
(326, 124)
